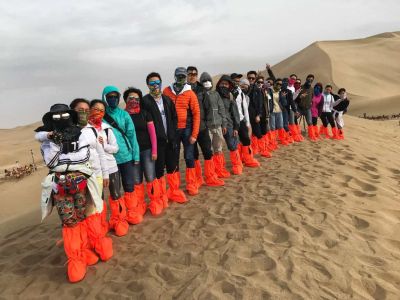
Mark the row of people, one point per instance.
(89, 146)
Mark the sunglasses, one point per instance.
(278, 84)
(154, 82)
(64, 116)
(260, 82)
(133, 98)
(251, 78)
(98, 109)
(192, 74)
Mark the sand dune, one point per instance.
(317, 221)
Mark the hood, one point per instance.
(187, 87)
(109, 89)
(226, 78)
(205, 77)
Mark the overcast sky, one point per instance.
(55, 51)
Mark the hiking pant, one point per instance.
(327, 117)
(256, 128)
(183, 135)
(217, 138)
(231, 141)
(276, 121)
(338, 116)
(166, 158)
(244, 134)
(285, 119)
(292, 118)
(115, 186)
(204, 141)
(146, 166)
(307, 114)
(126, 170)
(314, 121)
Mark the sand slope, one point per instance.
(317, 221)
(369, 68)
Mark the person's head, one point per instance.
(236, 78)
(270, 82)
(260, 81)
(310, 78)
(292, 79)
(82, 107)
(251, 76)
(277, 84)
(206, 81)
(328, 89)
(97, 111)
(180, 77)
(318, 89)
(341, 91)
(192, 74)
(224, 86)
(285, 83)
(244, 85)
(111, 96)
(154, 83)
(60, 117)
(297, 84)
(132, 97)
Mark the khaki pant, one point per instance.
(217, 139)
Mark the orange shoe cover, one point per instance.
(199, 175)
(191, 184)
(248, 159)
(174, 193)
(134, 214)
(209, 172)
(219, 164)
(100, 243)
(237, 166)
(118, 220)
(153, 191)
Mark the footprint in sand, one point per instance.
(358, 222)
(374, 289)
(311, 230)
(276, 233)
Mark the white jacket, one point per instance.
(110, 146)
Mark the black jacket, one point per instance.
(151, 106)
(204, 103)
(256, 105)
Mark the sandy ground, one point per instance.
(316, 221)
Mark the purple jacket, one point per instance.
(316, 105)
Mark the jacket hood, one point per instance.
(225, 78)
(205, 77)
(109, 89)
(187, 87)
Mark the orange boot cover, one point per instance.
(335, 133)
(316, 132)
(199, 174)
(289, 137)
(211, 176)
(254, 144)
(100, 243)
(341, 134)
(76, 265)
(262, 148)
(139, 192)
(134, 213)
(174, 193)
(90, 257)
(311, 133)
(237, 166)
(293, 132)
(118, 220)
(191, 184)
(219, 164)
(239, 148)
(248, 159)
(104, 222)
(153, 191)
(282, 137)
(298, 127)
(271, 142)
(163, 190)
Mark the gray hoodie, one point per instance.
(215, 116)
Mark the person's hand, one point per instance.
(250, 131)
(50, 135)
(136, 162)
(235, 133)
(267, 66)
(192, 140)
(284, 93)
(154, 157)
(258, 119)
(101, 141)
(223, 131)
(106, 182)
(297, 114)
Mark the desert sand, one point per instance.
(316, 221)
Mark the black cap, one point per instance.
(236, 75)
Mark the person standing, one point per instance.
(339, 109)
(327, 115)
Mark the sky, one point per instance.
(55, 51)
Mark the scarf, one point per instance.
(96, 118)
(133, 106)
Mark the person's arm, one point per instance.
(102, 158)
(152, 133)
(245, 105)
(235, 116)
(221, 110)
(270, 73)
(42, 136)
(194, 107)
(320, 106)
(53, 156)
(111, 145)
(131, 134)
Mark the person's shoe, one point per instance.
(254, 144)
(311, 133)
(101, 244)
(282, 137)
(263, 149)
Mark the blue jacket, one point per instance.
(128, 147)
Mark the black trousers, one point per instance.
(314, 121)
(204, 141)
(327, 117)
(244, 134)
(166, 158)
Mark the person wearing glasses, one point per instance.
(277, 103)
(212, 163)
(163, 113)
(127, 156)
(188, 113)
(146, 137)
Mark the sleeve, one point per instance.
(221, 110)
(111, 145)
(194, 107)
(260, 101)
(103, 159)
(337, 102)
(153, 138)
(320, 106)
(271, 74)
(235, 116)
(41, 136)
(246, 111)
(292, 104)
(131, 134)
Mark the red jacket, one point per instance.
(187, 108)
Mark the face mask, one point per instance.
(83, 118)
(307, 84)
(326, 92)
(317, 91)
(96, 118)
(297, 86)
(223, 91)
(133, 106)
(112, 101)
(207, 85)
(292, 81)
(343, 96)
(155, 90)
(284, 84)
(245, 90)
(61, 124)
(180, 81)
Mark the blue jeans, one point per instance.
(291, 117)
(276, 121)
(231, 141)
(146, 166)
(183, 135)
(126, 171)
(285, 117)
(307, 114)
